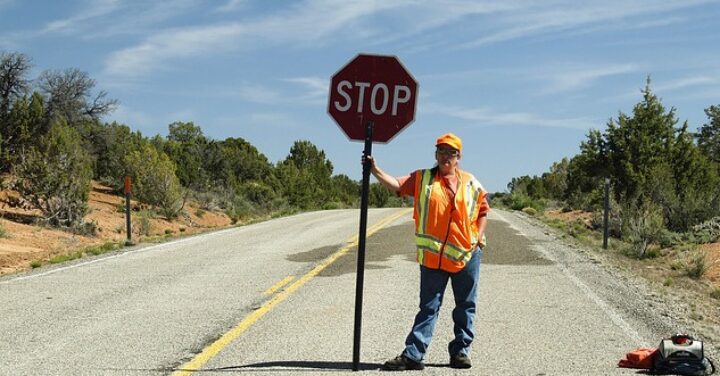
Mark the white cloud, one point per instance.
(404, 24)
(162, 48)
(93, 9)
(572, 78)
(482, 117)
(316, 89)
(545, 18)
(703, 87)
(686, 82)
(232, 5)
(309, 23)
(126, 115)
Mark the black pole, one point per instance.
(606, 214)
(361, 246)
(127, 210)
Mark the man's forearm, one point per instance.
(387, 180)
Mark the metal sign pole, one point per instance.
(361, 246)
(127, 210)
(606, 212)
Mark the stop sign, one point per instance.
(373, 88)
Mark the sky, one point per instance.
(521, 82)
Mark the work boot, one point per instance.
(460, 361)
(402, 363)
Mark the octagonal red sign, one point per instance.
(373, 88)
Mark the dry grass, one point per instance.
(27, 245)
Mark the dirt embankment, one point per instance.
(22, 242)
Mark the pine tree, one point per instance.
(708, 137)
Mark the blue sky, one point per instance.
(521, 82)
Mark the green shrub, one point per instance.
(715, 293)
(642, 226)
(168, 231)
(669, 238)
(55, 177)
(668, 281)
(64, 258)
(3, 231)
(707, 232)
(154, 179)
(695, 265)
(690, 261)
(241, 208)
(35, 264)
(143, 225)
(521, 201)
(86, 228)
(529, 211)
(100, 249)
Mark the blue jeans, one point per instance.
(432, 288)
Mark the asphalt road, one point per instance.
(278, 298)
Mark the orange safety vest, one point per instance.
(446, 232)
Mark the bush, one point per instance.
(529, 211)
(642, 226)
(100, 249)
(86, 228)
(715, 294)
(695, 264)
(669, 238)
(241, 208)
(155, 182)
(519, 201)
(614, 222)
(142, 224)
(690, 261)
(707, 232)
(55, 177)
(3, 231)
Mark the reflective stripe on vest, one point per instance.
(455, 255)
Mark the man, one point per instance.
(450, 218)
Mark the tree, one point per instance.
(304, 176)
(14, 67)
(154, 179)
(346, 190)
(638, 147)
(242, 162)
(68, 94)
(708, 137)
(26, 124)
(378, 195)
(111, 143)
(55, 178)
(556, 180)
(696, 193)
(186, 147)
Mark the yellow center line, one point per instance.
(279, 285)
(213, 349)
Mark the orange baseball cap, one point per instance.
(450, 140)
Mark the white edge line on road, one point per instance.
(609, 311)
(123, 254)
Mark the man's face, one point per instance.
(447, 158)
